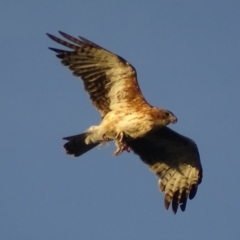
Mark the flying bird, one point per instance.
(129, 120)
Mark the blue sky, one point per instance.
(187, 56)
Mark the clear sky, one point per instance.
(187, 55)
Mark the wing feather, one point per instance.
(109, 79)
(176, 161)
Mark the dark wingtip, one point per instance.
(55, 50)
(193, 191)
(62, 33)
(174, 208)
(183, 206)
(50, 35)
(166, 203)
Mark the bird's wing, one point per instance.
(109, 79)
(176, 161)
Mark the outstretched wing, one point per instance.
(109, 79)
(176, 161)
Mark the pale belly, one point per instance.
(134, 124)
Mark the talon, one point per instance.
(121, 148)
(118, 151)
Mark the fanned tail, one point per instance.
(77, 146)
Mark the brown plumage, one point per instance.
(129, 120)
(113, 88)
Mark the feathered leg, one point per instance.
(120, 144)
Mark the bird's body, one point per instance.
(132, 122)
(129, 120)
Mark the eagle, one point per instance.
(129, 120)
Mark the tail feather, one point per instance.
(76, 145)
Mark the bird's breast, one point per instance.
(131, 122)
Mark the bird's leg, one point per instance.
(120, 144)
(119, 137)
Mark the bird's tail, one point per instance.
(77, 146)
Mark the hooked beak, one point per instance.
(174, 120)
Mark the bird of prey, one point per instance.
(129, 120)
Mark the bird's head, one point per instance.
(169, 117)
